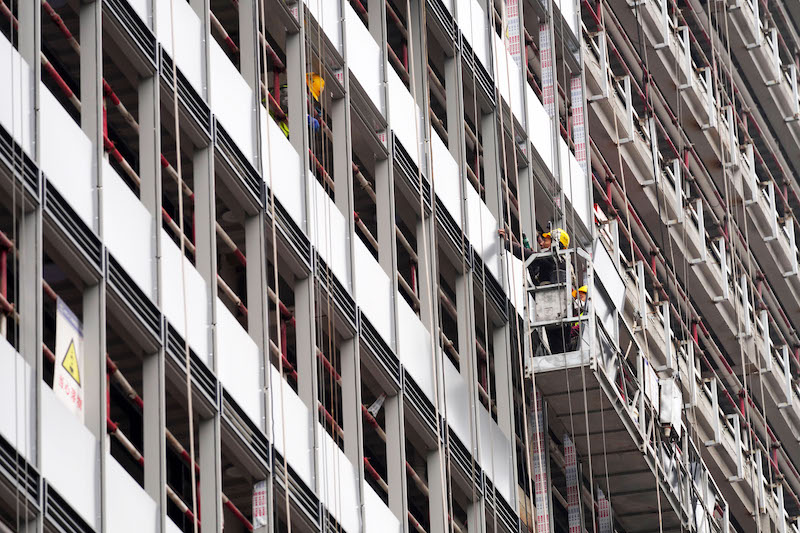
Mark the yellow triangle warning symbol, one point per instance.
(70, 363)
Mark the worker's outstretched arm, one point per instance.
(518, 251)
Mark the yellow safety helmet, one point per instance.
(584, 289)
(559, 235)
(315, 84)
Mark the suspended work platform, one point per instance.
(626, 448)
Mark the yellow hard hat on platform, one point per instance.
(315, 84)
(561, 236)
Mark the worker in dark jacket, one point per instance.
(543, 269)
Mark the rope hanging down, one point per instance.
(187, 352)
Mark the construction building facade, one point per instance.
(399, 266)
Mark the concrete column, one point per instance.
(249, 46)
(305, 331)
(258, 305)
(493, 163)
(384, 193)
(298, 94)
(418, 58)
(94, 377)
(150, 161)
(377, 26)
(203, 10)
(466, 331)
(503, 385)
(396, 456)
(29, 246)
(91, 71)
(31, 310)
(29, 15)
(427, 274)
(351, 402)
(150, 144)
(437, 498)
(94, 382)
(154, 423)
(205, 228)
(342, 156)
(527, 205)
(476, 516)
(209, 507)
(504, 348)
(455, 110)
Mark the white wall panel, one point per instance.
(364, 57)
(142, 9)
(414, 347)
(70, 457)
(299, 436)
(331, 235)
(338, 482)
(188, 39)
(197, 301)
(128, 230)
(373, 291)
(445, 178)
(231, 100)
(327, 15)
(575, 184)
(458, 403)
(496, 454)
(472, 23)
(378, 517)
(403, 111)
(540, 129)
(607, 273)
(281, 159)
(515, 278)
(482, 230)
(129, 509)
(239, 364)
(568, 11)
(16, 93)
(171, 527)
(507, 77)
(67, 156)
(17, 393)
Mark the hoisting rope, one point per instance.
(22, 478)
(426, 252)
(276, 281)
(474, 420)
(329, 280)
(187, 352)
(509, 265)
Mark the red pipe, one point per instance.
(4, 273)
(276, 87)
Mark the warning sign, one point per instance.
(70, 363)
(260, 504)
(69, 359)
